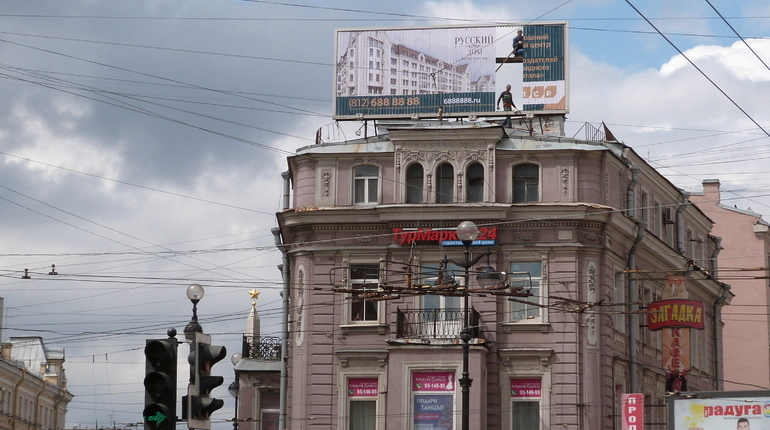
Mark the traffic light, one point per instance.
(160, 384)
(199, 406)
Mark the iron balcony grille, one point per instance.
(261, 347)
(444, 323)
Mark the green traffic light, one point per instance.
(158, 418)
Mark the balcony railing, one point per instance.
(261, 347)
(434, 323)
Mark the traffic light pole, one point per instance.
(199, 406)
(160, 383)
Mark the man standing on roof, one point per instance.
(507, 99)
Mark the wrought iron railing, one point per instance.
(261, 347)
(435, 323)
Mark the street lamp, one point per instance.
(467, 232)
(195, 294)
(235, 388)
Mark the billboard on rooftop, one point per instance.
(450, 71)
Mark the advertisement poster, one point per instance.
(433, 381)
(433, 412)
(526, 388)
(362, 387)
(714, 412)
(632, 406)
(448, 71)
(433, 394)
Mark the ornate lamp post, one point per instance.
(467, 232)
(234, 388)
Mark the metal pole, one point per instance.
(465, 336)
(235, 420)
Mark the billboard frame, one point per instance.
(743, 399)
(366, 88)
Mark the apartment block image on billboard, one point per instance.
(449, 71)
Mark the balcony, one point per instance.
(435, 323)
(261, 347)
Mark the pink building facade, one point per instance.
(588, 229)
(743, 263)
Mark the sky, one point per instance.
(142, 145)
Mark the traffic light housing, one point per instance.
(160, 384)
(198, 405)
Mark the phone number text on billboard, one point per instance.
(415, 104)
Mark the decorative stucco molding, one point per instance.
(363, 358)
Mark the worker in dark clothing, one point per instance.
(518, 44)
(507, 98)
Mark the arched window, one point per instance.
(366, 180)
(415, 175)
(526, 181)
(474, 187)
(445, 178)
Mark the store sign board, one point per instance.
(444, 237)
(632, 411)
(675, 313)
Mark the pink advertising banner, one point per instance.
(632, 406)
(362, 387)
(525, 388)
(433, 381)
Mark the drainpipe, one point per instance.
(58, 400)
(633, 293)
(717, 308)
(16, 410)
(680, 222)
(284, 267)
(36, 423)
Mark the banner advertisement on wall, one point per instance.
(720, 410)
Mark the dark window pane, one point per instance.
(445, 175)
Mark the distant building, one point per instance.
(592, 231)
(33, 387)
(258, 371)
(744, 260)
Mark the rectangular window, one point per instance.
(365, 184)
(526, 276)
(619, 299)
(268, 409)
(433, 399)
(364, 279)
(525, 403)
(362, 403)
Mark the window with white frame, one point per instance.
(268, 409)
(526, 183)
(366, 179)
(364, 280)
(362, 403)
(527, 276)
